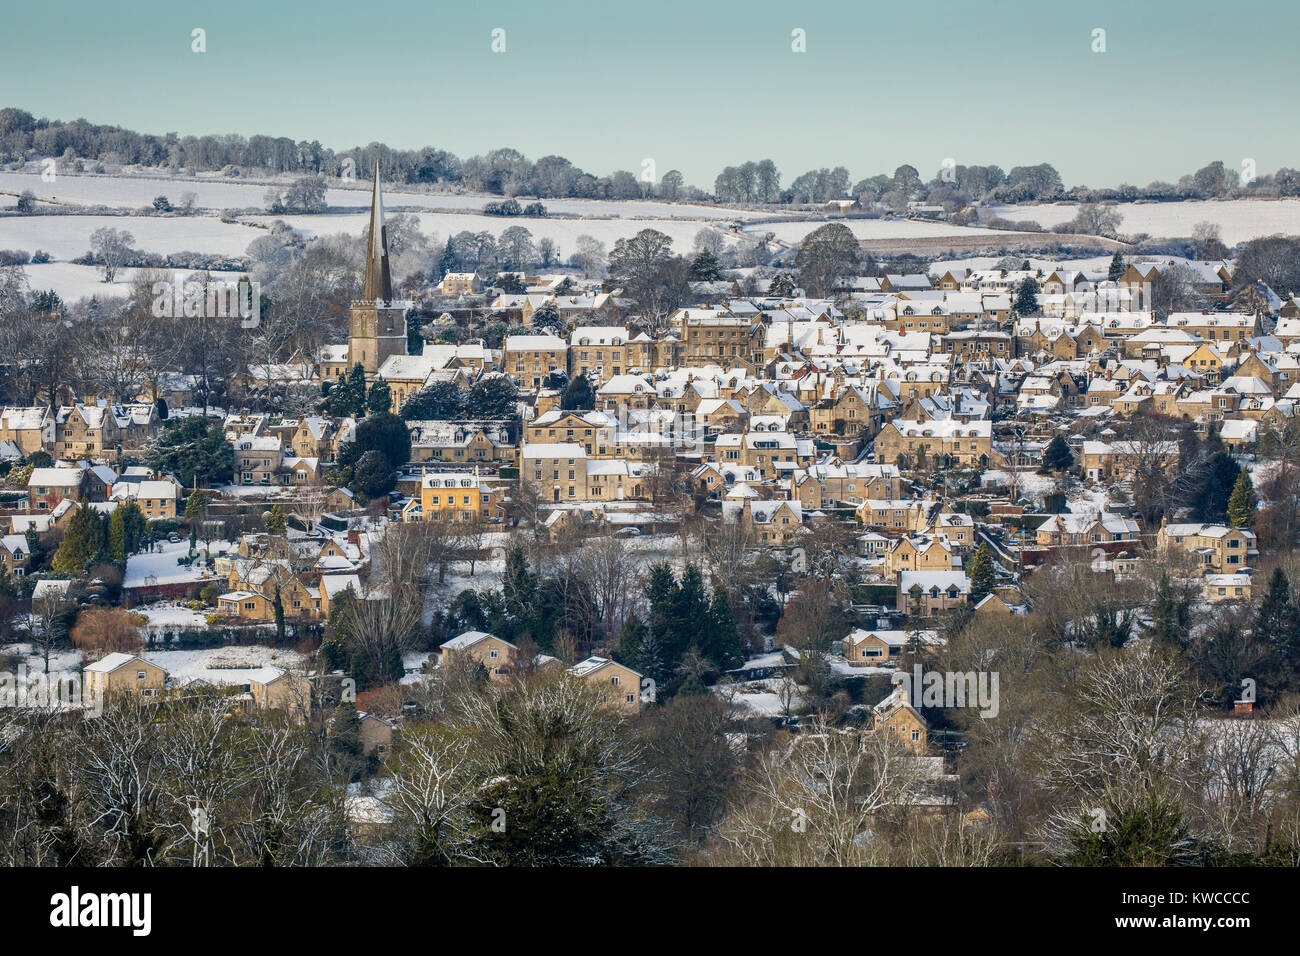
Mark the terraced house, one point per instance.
(462, 442)
(939, 442)
(530, 359)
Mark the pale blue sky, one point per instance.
(693, 85)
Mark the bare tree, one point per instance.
(818, 800)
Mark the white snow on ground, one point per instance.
(760, 697)
(225, 665)
(171, 618)
(795, 230)
(68, 237)
(138, 191)
(1239, 219)
(161, 564)
(1032, 484)
(1090, 265)
(74, 282)
(216, 665)
(564, 232)
(843, 668)
(63, 660)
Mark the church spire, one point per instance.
(379, 282)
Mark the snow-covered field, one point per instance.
(564, 232)
(73, 282)
(1092, 264)
(68, 237)
(795, 230)
(136, 191)
(1238, 219)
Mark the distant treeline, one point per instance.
(507, 172)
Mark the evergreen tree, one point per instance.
(704, 267)
(414, 340)
(723, 644)
(81, 542)
(372, 476)
(519, 591)
(135, 527)
(194, 449)
(380, 399)
(384, 433)
(545, 315)
(448, 261)
(348, 397)
(1117, 268)
(1026, 302)
(492, 396)
(630, 641)
(437, 402)
(781, 285)
(651, 660)
(274, 521)
(1057, 455)
(981, 573)
(117, 535)
(194, 504)
(659, 592)
(1275, 605)
(279, 616)
(1147, 832)
(578, 395)
(1241, 503)
(1215, 487)
(1171, 614)
(689, 614)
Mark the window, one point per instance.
(139, 675)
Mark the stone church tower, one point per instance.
(377, 322)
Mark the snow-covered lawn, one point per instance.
(160, 567)
(67, 659)
(761, 697)
(1031, 484)
(225, 665)
(170, 618)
